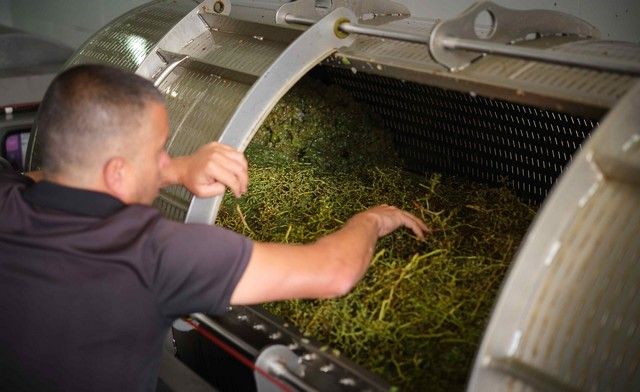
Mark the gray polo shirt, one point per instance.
(89, 286)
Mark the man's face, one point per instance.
(150, 156)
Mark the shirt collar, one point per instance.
(73, 200)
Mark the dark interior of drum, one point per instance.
(463, 134)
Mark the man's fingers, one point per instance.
(221, 146)
(209, 190)
(230, 180)
(392, 217)
(228, 152)
(416, 225)
(233, 177)
(230, 172)
(214, 167)
(236, 157)
(423, 226)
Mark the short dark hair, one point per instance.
(84, 108)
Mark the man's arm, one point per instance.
(209, 170)
(329, 267)
(205, 173)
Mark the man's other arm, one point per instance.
(329, 267)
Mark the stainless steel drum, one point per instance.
(516, 100)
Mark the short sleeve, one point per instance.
(197, 267)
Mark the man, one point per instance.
(91, 277)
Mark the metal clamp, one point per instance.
(506, 26)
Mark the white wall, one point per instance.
(69, 22)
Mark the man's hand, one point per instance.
(327, 268)
(389, 218)
(211, 169)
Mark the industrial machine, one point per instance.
(533, 97)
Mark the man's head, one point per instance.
(104, 129)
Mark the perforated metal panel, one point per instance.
(126, 41)
(485, 140)
(200, 104)
(238, 47)
(569, 312)
(584, 333)
(556, 87)
(580, 85)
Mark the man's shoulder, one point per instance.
(158, 227)
(192, 237)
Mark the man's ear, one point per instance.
(115, 174)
